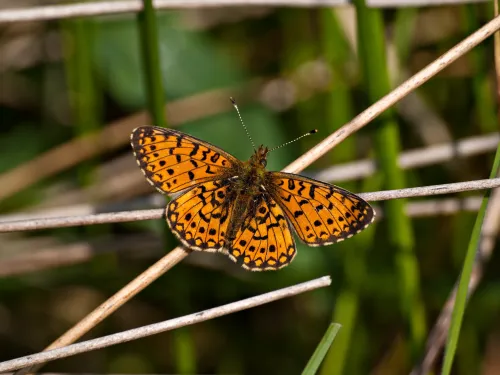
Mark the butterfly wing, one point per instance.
(321, 213)
(264, 240)
(200, 216)
(173, 161)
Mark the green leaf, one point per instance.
(463, 283)
(320, 352)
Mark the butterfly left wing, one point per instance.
(321, 213)
(200, 216)
(264, 240)
(173, 161)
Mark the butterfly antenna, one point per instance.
(241, 120)
(296, 139)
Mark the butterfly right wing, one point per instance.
(321, 213)
(173, 161)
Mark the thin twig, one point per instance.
(116, 217)
(412, 159)
(425, 191)
(496, 44)
(117, 300)
(415, 3)
(112, 217)
(56, 255)
(153, 201)
(167, 325)
(394, 96)
(437, 337)
(116, 7)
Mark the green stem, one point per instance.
(151, 61)
(339, 110)
(85, 106)
(463, 283)
(387, 147)
(321, 350)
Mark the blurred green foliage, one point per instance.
(49, 104)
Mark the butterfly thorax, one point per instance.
(252, 173)
(248, 187)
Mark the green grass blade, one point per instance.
(83, 91)
(404, 29)
(339, 105)
(463, 283)
(387, 147)
(321, 350)
(347, 304)
(481, 83)
(184, 351)
(151, 62)
(339, 110)
(183, 346)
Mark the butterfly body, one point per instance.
(239, 208)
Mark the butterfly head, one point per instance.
(259, 158)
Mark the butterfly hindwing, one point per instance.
(200, 216)
(264, 241)
(173, 161)
(321, 214)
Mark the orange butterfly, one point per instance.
(239, 208)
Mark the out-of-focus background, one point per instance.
(72, 90)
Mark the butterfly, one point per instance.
(239, 208)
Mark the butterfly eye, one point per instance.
(263, 162)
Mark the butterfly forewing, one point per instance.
(321, 214)
(264, 241)
(173, 161)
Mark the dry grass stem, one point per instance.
(167, 325)
(497, 56)
(439, 333)
(116, 301)
(394, 96)
(114, 217)
(56, 12)
(424, 191)
(416, 3)
(413, 159)
(60, 222)
(60, 255)
(154, 200)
